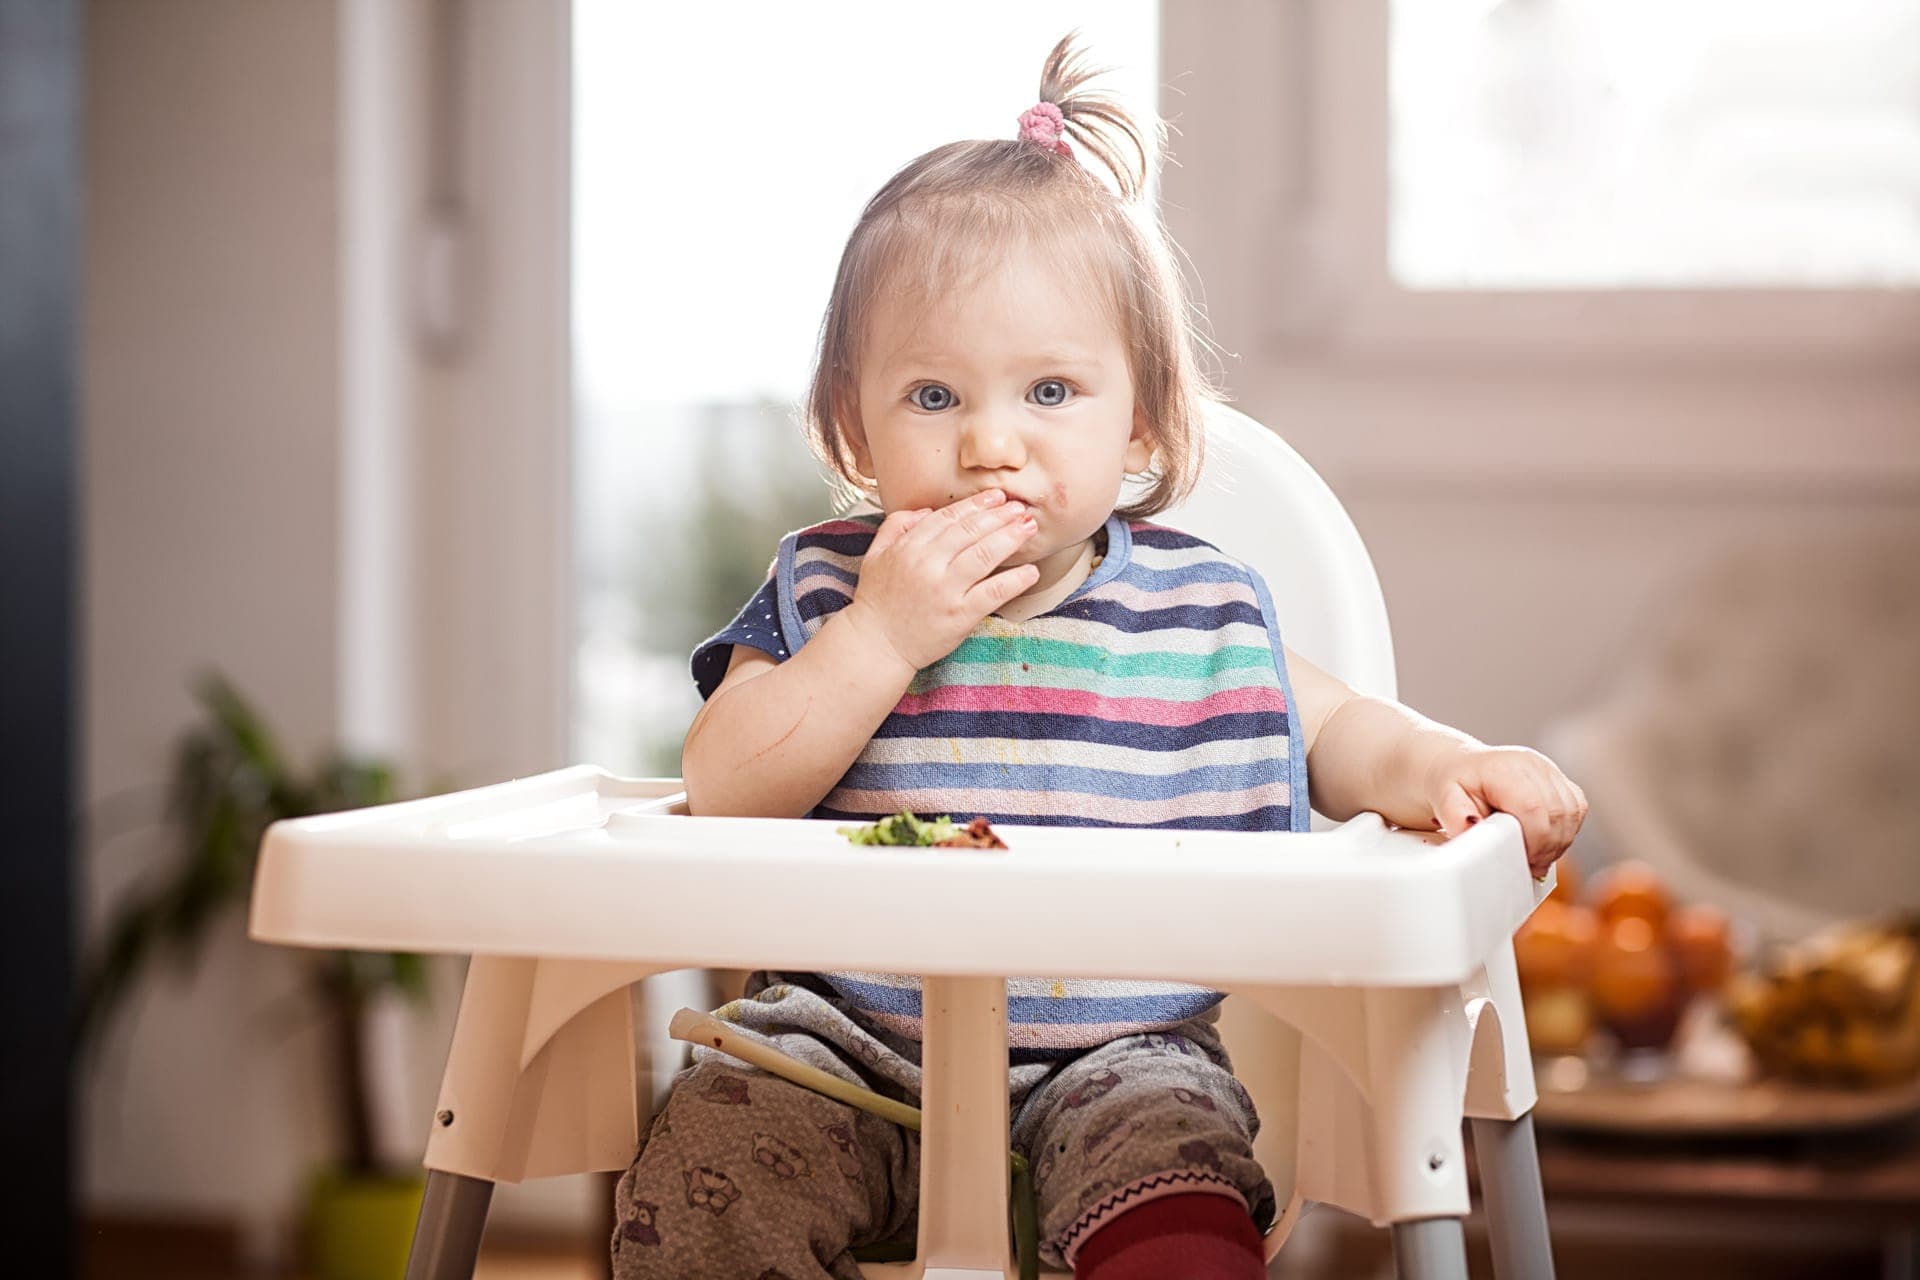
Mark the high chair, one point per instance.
(1373, 1005)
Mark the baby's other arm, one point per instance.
(1366, 753)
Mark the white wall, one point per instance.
(212, 454)
(278, 484)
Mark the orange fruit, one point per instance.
(1631, 889)
(1636, 983)
(1554, 948)
(1559, 1019)
(1701, 940)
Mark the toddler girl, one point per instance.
(1007, 370)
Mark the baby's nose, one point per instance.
(988, 444)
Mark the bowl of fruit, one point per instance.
(1647, 1015)
(1615, 964)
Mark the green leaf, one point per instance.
(903, 828)
(228, 784)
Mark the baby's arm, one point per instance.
(1374, 754)
(775, 737)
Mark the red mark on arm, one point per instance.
(775, 744)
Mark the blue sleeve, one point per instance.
(1300, 811)
(757, 626)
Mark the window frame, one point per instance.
(1325, 125)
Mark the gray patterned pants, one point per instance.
(743, 1176)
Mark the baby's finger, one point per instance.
(995, 591)
(990, 550)
(1547, 821)
(1458, 809)
(1536, 829)
(1579, 803)
(945, 523)
(895, 527)
(968, 527)
(1568, 814)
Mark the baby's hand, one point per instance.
(929, 576)
(1469, 784)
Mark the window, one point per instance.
(721, 155)
(1467, 183)
(1618, 144)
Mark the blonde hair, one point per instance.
(943, 218)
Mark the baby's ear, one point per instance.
(1140, 444)
(846, 417)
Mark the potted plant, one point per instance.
(228, 783)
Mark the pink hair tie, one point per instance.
(1043, 123)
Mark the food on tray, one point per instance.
(905, 828)
(1841, 1008)
(975, 835)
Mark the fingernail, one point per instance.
(1029, 523)
(1016, 507)
(993, 497)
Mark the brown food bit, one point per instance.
(975, 835)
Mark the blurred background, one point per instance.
(393, 391)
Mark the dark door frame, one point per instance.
(40, 230)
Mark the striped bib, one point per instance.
(1155, 695)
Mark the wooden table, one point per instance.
(1865, 1185)
(1651, 1210)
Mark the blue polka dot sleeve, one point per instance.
(756, 626)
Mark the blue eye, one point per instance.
(932, 397)
(1050, 392)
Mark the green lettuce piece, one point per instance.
(904, 828)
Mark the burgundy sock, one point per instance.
(1194, 1236)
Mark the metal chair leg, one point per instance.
(1509, 1162)
(446, 1241)
(1430, 1249)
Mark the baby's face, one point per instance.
(1019, 382)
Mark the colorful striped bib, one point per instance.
(1154, 696)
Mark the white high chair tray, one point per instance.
(581, 864)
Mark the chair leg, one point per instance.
(963, 1146)
(1509, 1164)
(1430, 1249)
(446, 1241)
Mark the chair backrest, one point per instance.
(1259, 500)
